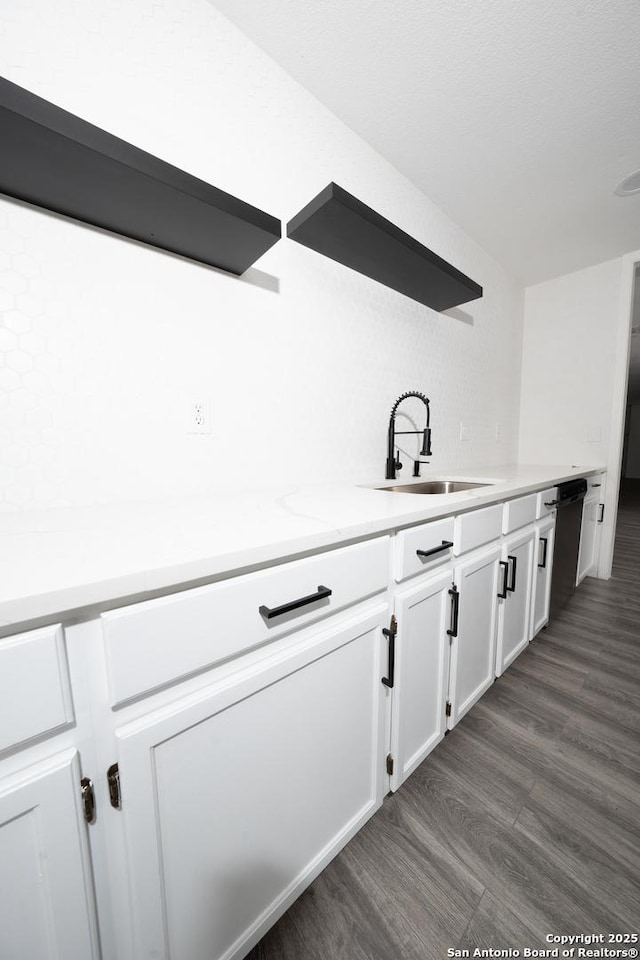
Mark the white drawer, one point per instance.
(35, 696)
(473, 529)
(428, 538)
(156, 642)
(595, 488)
(518, 513)
(545, 497)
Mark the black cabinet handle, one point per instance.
(601, 518)
(596, 484)
(391, 634)
(430, 553)
(269, 612)
(544, 553)
(455, 610)
(505, 579)
(512, 588)
(552, 503)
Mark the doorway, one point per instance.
(630, 468)
(628, 500)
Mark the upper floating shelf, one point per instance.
(343, 228)
(56, 160)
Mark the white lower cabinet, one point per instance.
(591, 512)
(542, 570)
(235, 797)
(592, 519)
(47, 909)
(473, 646)
(421, 672)
(251, 744)
(514, 603)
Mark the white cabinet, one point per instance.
(235, 797)
(421, 672)
(250, 722)
(592, 518)
(542, 571)
(588, 537)
(546, 502)
(46, 890)
(473, 647)
(47, 903)
(422, 548)
(514, 604)
(477, 527)
(519, 512)
(35, 696)
(152, 644)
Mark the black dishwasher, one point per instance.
(569, 497)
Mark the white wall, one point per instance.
(574, 375)
(569, 367)
(632, 466)
(103, 340)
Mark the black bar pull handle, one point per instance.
(601, 517)
(551, 503)
(512, 588)
(543, 564)
(596, 484)
(505, 579)
(455, 610)
(430, 553)
(391, 634)
(269, 612)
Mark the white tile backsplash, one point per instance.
(104, 340)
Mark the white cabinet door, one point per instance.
(421, 673)
(542, 570)
(234, 798)
(514, 612)
(588, 537)
(473, 647)
(47, 909)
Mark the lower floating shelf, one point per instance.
(54, 159)
(343, 228)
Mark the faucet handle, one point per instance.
(397, 464)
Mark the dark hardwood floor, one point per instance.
(525, 820)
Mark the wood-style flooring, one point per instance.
(525, 820)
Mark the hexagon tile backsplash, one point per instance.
(104, 341)
(28, 365)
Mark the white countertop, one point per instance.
(63, 563)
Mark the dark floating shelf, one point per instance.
(343, 228)
(56, 160)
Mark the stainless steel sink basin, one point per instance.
(434, 486)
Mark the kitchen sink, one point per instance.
(434, 487)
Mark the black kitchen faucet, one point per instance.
(393, 459)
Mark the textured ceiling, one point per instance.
(517, 117)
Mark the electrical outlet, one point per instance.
(465, 433)
(198, 416)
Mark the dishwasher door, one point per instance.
(565, 554)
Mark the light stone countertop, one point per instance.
(65, 564)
